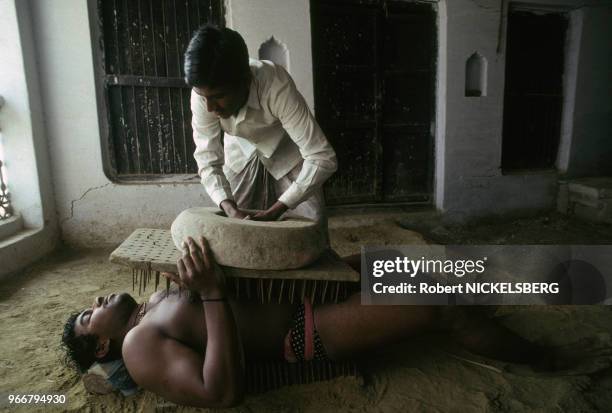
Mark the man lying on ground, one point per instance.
(189, 348)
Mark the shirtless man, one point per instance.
(189, 349)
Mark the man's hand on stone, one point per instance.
(197, 270)
(271, 214)
(232, 210)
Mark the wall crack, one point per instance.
(74, 201)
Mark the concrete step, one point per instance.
(591, 188)
(587, 198)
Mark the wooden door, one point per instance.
(374, 71)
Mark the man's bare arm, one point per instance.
(175, 371)
(231, 209)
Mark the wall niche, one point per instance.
(476, 76)
(275, 51)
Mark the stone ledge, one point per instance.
(587, 198)
(593, 188)
(10, 226)
(24, 248)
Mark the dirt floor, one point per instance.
(421, 375)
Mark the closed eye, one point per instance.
(86, 316)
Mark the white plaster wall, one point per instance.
(591, 146)
(473, 129)
(92, 211)
(468, 181)
(441, 88)
(289, 23)
(24, 141)
(570, 75)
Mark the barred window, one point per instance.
(145, 117)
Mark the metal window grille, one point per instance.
(6, 211)
(144, 102)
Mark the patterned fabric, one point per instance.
(115, 373)
(304, 337)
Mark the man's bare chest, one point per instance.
(178, 317)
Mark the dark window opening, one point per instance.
(142, 98)
(533, 96)
(374, 76)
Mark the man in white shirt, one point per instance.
(258, 145)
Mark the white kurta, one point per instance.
(275, 125)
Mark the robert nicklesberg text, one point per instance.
(467, 288)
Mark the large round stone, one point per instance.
(276, 245)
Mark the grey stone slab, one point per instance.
(154, 250)
(240, 243)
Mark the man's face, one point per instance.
(223, 101)
(106, 317)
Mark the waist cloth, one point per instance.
(302, 342)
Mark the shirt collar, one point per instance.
(252, 100)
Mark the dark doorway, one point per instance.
(374, 74)
(533, 92)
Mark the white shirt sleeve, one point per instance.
(209, 153)
(289, 106)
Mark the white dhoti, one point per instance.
(255, 188)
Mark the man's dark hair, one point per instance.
(80, 350)
(216, 57)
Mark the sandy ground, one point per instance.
(416, 376)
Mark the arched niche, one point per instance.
(274, 51)
(476, 75)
